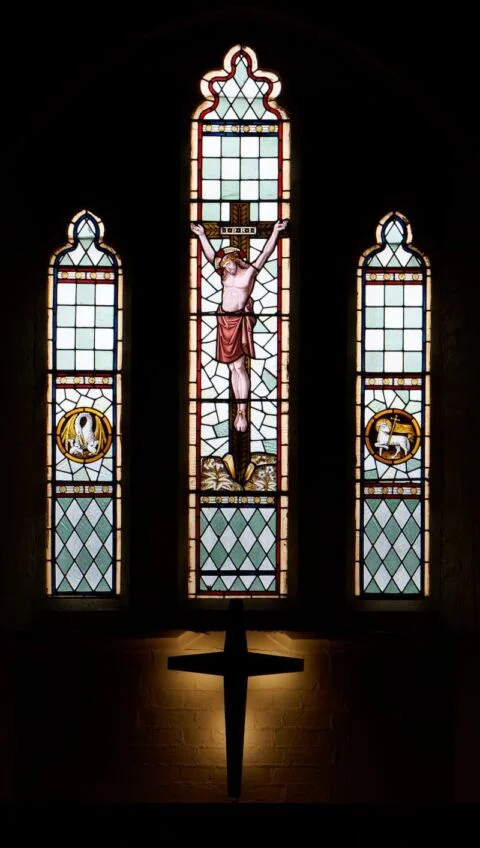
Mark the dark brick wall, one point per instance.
(368, 722)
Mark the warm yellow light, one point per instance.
(118, 580)
(284, 374)
(357, 538)
(192, 465)
(194, 143)
(191, 523)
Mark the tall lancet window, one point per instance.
(84, 413)
(393, 415)
(239, 333)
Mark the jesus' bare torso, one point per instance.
(238, 279)
(235, 318)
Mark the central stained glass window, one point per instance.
(239, 333)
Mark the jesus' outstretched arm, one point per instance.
(208, 250)
(269, 247)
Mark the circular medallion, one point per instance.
(392, 436)
(84, 434)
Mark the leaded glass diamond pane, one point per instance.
(93, 576)
(247, 538)
(411, 562)
(401, 546)
(401, 578)
(74, 576)
(238, 555)
(93, 544)
(392, 530)
(228, 539)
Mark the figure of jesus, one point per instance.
(235, 317)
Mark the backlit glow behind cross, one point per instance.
(235, 664)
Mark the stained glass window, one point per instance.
(84, 414)
(239, 333)
(393, 415)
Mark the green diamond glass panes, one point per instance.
(243, 552)
(84, 413)
(239, 345)
(393, 416)
(392, 546)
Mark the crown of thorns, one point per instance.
(226, 253)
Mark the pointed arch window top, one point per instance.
(240, 91)
(394, 235)
(85, 234)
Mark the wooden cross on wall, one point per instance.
(235, 664)
(240, 230)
